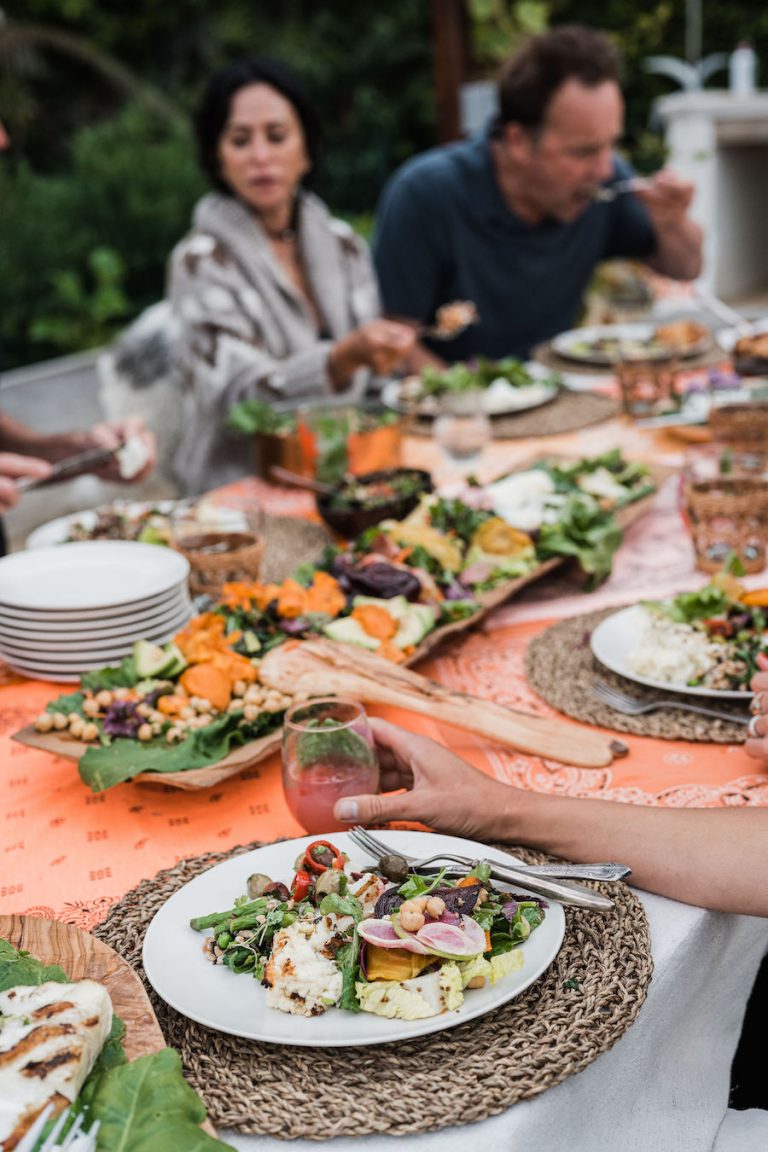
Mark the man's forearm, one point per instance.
(679, 251)
(17, 437)
(712, 858)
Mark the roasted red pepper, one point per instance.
(329, 853)
(302, 883)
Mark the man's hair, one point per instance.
(534, 74)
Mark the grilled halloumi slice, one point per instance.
(50, 1037)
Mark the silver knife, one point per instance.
(89, 458)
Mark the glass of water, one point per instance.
(462, 430)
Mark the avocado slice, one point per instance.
(349, 631)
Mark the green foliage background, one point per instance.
(102, 175)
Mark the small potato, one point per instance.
(477, 982)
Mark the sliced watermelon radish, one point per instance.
(448, 940)
(382, 933)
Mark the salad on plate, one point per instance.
(399, 945)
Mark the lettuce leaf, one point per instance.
(586, 532)
(103, 766)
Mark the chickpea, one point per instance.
(76, 727)
(120, 693)
(239, 688)
(235, 705)
(103, 698)
(90, 707)
(254, 694)
(419, 902)
(175, 735)
(477, 982)
(156, 717)
(411, 918)
(156, 727)
(90, 733)
(482, 896)
(200, 704)
(143, 710)
(435, 907)
(60, 721)
(187, 713)
(145, 733)
(251, 712)
(44, 722)
(203, 720)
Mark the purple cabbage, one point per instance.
(122, 719)
(384, 581)
(456, 591)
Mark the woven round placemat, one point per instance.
(545, 354)
(568, 412)
(289, 541)
(561, 669)
(579, 1008)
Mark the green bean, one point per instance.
(214, 919)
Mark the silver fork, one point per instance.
(76, 1140)
(607, 872)
(563, 891)
(632, 706)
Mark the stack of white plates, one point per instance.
(70, 608)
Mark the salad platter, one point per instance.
(38, 955)
(307, 947)
(211, 703)
(149, 522)
(704, 643)
(607, 344)
(504, 387)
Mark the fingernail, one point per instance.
(346, 809)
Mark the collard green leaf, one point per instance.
(123, 675)
(147, 1106)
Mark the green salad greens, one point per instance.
(480, 374)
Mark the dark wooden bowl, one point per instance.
(351, 521)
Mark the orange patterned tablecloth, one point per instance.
(69, 854)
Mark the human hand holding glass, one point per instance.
(328, 752)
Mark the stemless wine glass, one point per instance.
(328, 752)
(462, 430)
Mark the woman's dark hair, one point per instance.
(216, 103)
(532, 77)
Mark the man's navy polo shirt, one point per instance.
(444, 233)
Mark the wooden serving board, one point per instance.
(82, 956)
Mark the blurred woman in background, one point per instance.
(272, 296)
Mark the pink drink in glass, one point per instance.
(328, 752)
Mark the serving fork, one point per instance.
(76, 1140)
(547, 884)
(633, 706)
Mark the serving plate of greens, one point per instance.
(232, 999)
(503, 387)
(134, 1068)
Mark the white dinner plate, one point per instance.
(219, 999)
(57, 531)
(727, 337)
(97, 576)
(79, 648)
(616, 636)
(100, 575)
(98, 627)
(70, 671)
(499, 399)
(574, 344)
